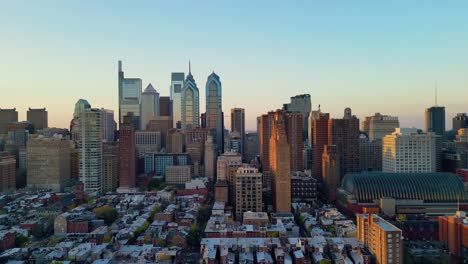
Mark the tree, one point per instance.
(21, 241)
(107, 213)
(194, 236)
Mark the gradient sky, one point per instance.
(372, 56)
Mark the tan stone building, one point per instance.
(248, 189)
(383, 239)
(280, 165)
(178, 174)
(110, 167)
(7, 172)
(48, 163)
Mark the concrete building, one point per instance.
(178, 175)
(129, 97)
(238, 125)
(48, 163)
(435, 120)
(38, 117)
(460, 121)
(331, 171)
(453, 230)
(280, 165)
(177, 84)
(294, 130)
(251, 146)
(110, 167)
(7, 116)
(161, 124)
(303, 105)
(147, 142)
(214, 111)
(149, 106)
(158, 162)
(165, 106)
(320, 139)
(248, 190)
(175, 141)
(407, 150)
(383, 239)
(226, 168)
(88, 133)
(210, 158)
(370, 154)
(264, 135)
(304, 187)
(378, 125)
(7, 172)
(190, 103)
(127, 154)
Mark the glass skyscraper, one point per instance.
(435, 120)
(177, 84)
(214, 112)
(129, 97)
(190, 103)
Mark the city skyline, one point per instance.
(364, 56)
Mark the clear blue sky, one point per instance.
(369, 55)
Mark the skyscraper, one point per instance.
(149, 105)
(331, 171)
(108, 125)
(248, 196)
(190, 103)
(238, 124)
(294, 124)
(48, 163)
(302, 104)
(127, 154)
(214, 112)
(210, 158)
(165, 107)
(7, 116)
(460, 121)
(129, 97)
(320, 139)
(344, 133)
(38, 117)
(280, 165)
(177, 84)
(88, 134)
(110, 167)
(264, 135)
(7, 172)
(378, 126)
(435, 120)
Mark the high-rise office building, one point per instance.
(407, 150)
(210, 158)
(7, 172)
(344, 133)
(129, 97)
(320, 139)
(383, 239)
(7, 116)
(175, 141)
(88, 137)
(165, 107)
(48, 163)
(313, 115)
(108, 125)
(149, 106)
(460, 121)
(38, 117)
(147, 142)
(280, 164)
(127, 152)
(251, 146)
(248, 190)
(161, 124)
(435, 120)
(214, 112)
(110, 167)
(190, 103)
(238, 125)
(331, 171)
(294, 124)
(177, 84)
(302, 104)
(370, 154)
(378, 125)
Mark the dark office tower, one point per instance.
(370, 154)
(280, 164)
(7, 116)
(165, 106)
(127, 154)
(177, 84)
(214, 112)
(344, 133)
(460, 121)
(320, 139)
(264, 135)
(435, 120)
(161, 124)
(251, 146)
(190, 103)
(331, 171)
(238, 124)
(302, 104)
(203, 120)
(129, 97)
(38, 117)
(294, 124)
